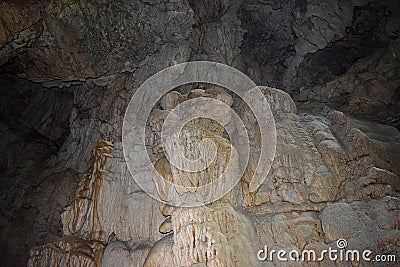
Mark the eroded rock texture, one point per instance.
(68, 253)
(299, 44)
(69, 68)
(369, 88)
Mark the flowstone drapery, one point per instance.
(333, 176)
(209, 235)
(74, 251)
(84, 210)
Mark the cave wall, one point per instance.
(300, 44)
(69, 68)
(290, 45)
(56, 54)
(34, 125)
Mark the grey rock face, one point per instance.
(367, 224)
(299, 44)
(88, 40)
(369, 88)
(120, 253)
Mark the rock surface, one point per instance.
(333, 177)
(69, 68)
(369, 88)
(125, 254)
(68, 253)
(295, 45)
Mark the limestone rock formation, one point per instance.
(294, 45)
(125, 254)
(84, 211)
(71, 43)
(88, 219)
(214, 235)
(319, 160)
(369, 88)
(332, 158)
(68, 253)
(69, 68)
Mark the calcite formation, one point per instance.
(68, 252)
(333, 176)
(74, 251)
(84, 211)
(69, 68)
(213, 235)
